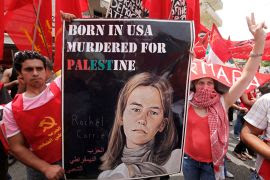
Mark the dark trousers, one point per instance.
(195, 170)
(3, 163)
(230, 114)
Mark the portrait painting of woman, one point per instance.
(143, 138)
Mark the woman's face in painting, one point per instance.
(143, 116)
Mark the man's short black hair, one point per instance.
(21, 56)
(265, 88)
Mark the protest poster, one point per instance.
(102, 124)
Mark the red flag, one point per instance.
(1, 29)
(242, 49)
(21, 26)
(175, 9)
(218, 48)
(15, 4)
(159, 9)
(146, 4)
(44, 30)
(203, 29)
(193, 13)
(224, 74)
(70, 6)
(84, 5)
(201, 46)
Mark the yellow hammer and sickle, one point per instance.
(28, 36)
(47, 123)
(48, 26)
(40, 35)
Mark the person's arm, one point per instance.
(239, 108)
(252, 64)
(245, 100)
(67, 16)
(23, 154)
(5, 79)
(249, 135)
(9, 85)
(6, 75)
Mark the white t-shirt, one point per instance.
(259, 117)
(28, 104)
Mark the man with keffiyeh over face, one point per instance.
(207, 131)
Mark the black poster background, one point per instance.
(90, 96)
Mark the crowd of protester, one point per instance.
(207, 134)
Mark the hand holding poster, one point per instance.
(124, 84)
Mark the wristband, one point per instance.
(255, 54)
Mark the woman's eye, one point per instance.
(135, 109)
(154, 113)
(200, 83)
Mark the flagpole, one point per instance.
(42, 33)
(88, 3)
(53, 5)
(36, 24)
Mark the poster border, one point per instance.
(187, 91)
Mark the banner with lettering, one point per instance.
(125, 82)
(125, 9)
(223, 74)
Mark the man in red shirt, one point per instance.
(33, 119)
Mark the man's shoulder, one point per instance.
(8, 106)
(58, 81)
(264, 100)
(8, 71)
(266, 96)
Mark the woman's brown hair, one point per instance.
(165, 141)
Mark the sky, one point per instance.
(234, 14)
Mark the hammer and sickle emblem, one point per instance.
(47, 123)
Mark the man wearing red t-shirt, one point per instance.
(33, 119)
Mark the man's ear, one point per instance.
(19, 76)
(163, 124)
